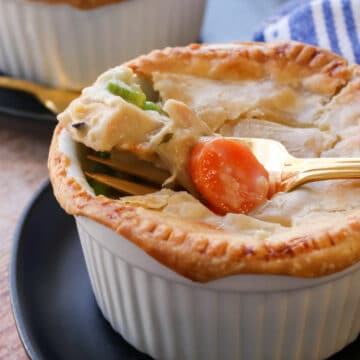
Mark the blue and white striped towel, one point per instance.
(331, 24)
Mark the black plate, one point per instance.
(53, 303)
(19, 104)
(54, 307)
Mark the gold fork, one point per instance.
(56, 100)
(286, 172)
(128, 164)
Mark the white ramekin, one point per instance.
(62, 46)
(240, 317)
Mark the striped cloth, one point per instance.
(331, 24)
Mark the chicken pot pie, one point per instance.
(158, 106)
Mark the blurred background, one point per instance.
(230, 20)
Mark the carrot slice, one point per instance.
(228, 175)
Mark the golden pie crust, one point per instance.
(200, 251)
(82, 4)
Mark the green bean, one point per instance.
(137, 98)
(149, 105)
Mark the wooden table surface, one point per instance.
(23, 168)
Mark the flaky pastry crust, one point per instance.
(318, 70)
(200, 251)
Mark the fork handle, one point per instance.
(16, 84)
(54, 99)
(300, 171)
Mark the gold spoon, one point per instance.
(286, 172)
(56, 100)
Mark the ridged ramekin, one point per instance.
(62, 46)
(240, 317)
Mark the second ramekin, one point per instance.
(62, 46)
(240, 317)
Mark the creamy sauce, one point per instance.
(70, 149)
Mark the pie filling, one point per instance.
(161, 120)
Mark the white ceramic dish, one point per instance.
(240, 317)
(62, 46)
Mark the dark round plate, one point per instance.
(21, 105)
(54, 307)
